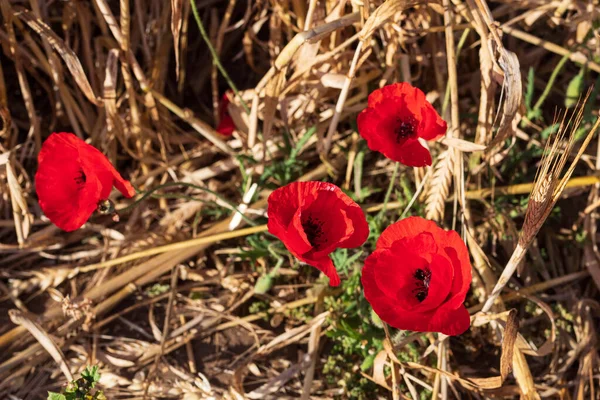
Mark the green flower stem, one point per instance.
(215, 56)
(184, 184)
(550, 83)
(388, 193)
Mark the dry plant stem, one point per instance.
(452, 75)
(137, 69)
(524, 188)
(576, 57)
(165, 331)
(176, 246)
(395, 387)
(313, 347)
(194, 334)
(200, 126)
(314, 34)
(310, 14)
(516, 258)
(339, 106)
(34, 127)
(140, 274)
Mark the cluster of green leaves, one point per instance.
(356, 336)
(82, 388)
(291, 167)
(356, 333)
(575, 92)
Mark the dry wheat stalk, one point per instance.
(546, 191)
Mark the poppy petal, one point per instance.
(458, 254)
(434, 127)
(297, 241)
(405, 228)
(413, 154)
(325, 265)
(328, 210)
(67, 195)
(94, 162)
(394, 276)
(360, 227)
(71, 179)
(414, 98)
(397, 116)
(388, 310)
(418, 277)
(450, 322)
(226, 125)
(312, 219)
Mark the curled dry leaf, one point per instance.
(513, 93)
(378, 369)
(18, 318)
(508, 343)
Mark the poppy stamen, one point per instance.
(80, 179)
(405, 129)
(313, 228)
(423, 278)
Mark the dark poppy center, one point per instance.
(313, 228)
(80, 178)
(405, 128)
(422, 278)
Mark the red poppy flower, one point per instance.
(226, 125)
(73, 177)
(313, 219)
(418, 277)
(396, 117)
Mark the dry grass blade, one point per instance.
(34, 128)
(176, 23)
(20, 211)
(68, 55)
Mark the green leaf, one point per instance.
(550, 130)
(368, 362)
(264, 284)
(575, 89)
(294, 153)
(56, 396)
(529, 90)
(375, 319)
